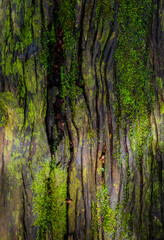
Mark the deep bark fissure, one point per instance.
(151, 198)
(96, 165)
(141, 196)
(3, 177)
(77, 130)
(97, 123)
(111, 142)
(127, 166)
(156, 130)
(160, 167)
(24, 196)
(36, 75)
(69, 169)
(83, 188)
(76, 210)
(87, 103)
(25, 98)
(30, 152)
(3, 166)
(80, 41)
(157, 23)
(93, 48)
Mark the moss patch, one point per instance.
(50, 191)
(3, 114)
(135, 91)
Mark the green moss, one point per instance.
(104, 10)
(134, 88)
(3, 114)
(48, 39)
(91, 135)
(70, 70)
(159, 82)
(162, 108)
(31, 113)
(134, 85)
(90, 81)
(36, 23)
(18, 67)
(75, 189)
(50, 190)
(79, 112)
(10, 102)
(68, 82)
(30, 78)
(15, 167)
(8, 64)
(15, 216)
(113, 221)
(140, 135)
(67, 12)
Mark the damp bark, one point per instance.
(66, 107)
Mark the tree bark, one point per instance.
(62, 106)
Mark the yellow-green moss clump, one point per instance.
(3, 114)
(114, 221)
(135, 90)
(50, 192)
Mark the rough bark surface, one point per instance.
(85, 138)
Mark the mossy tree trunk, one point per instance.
(81, 103)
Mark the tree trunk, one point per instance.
(81, 119)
